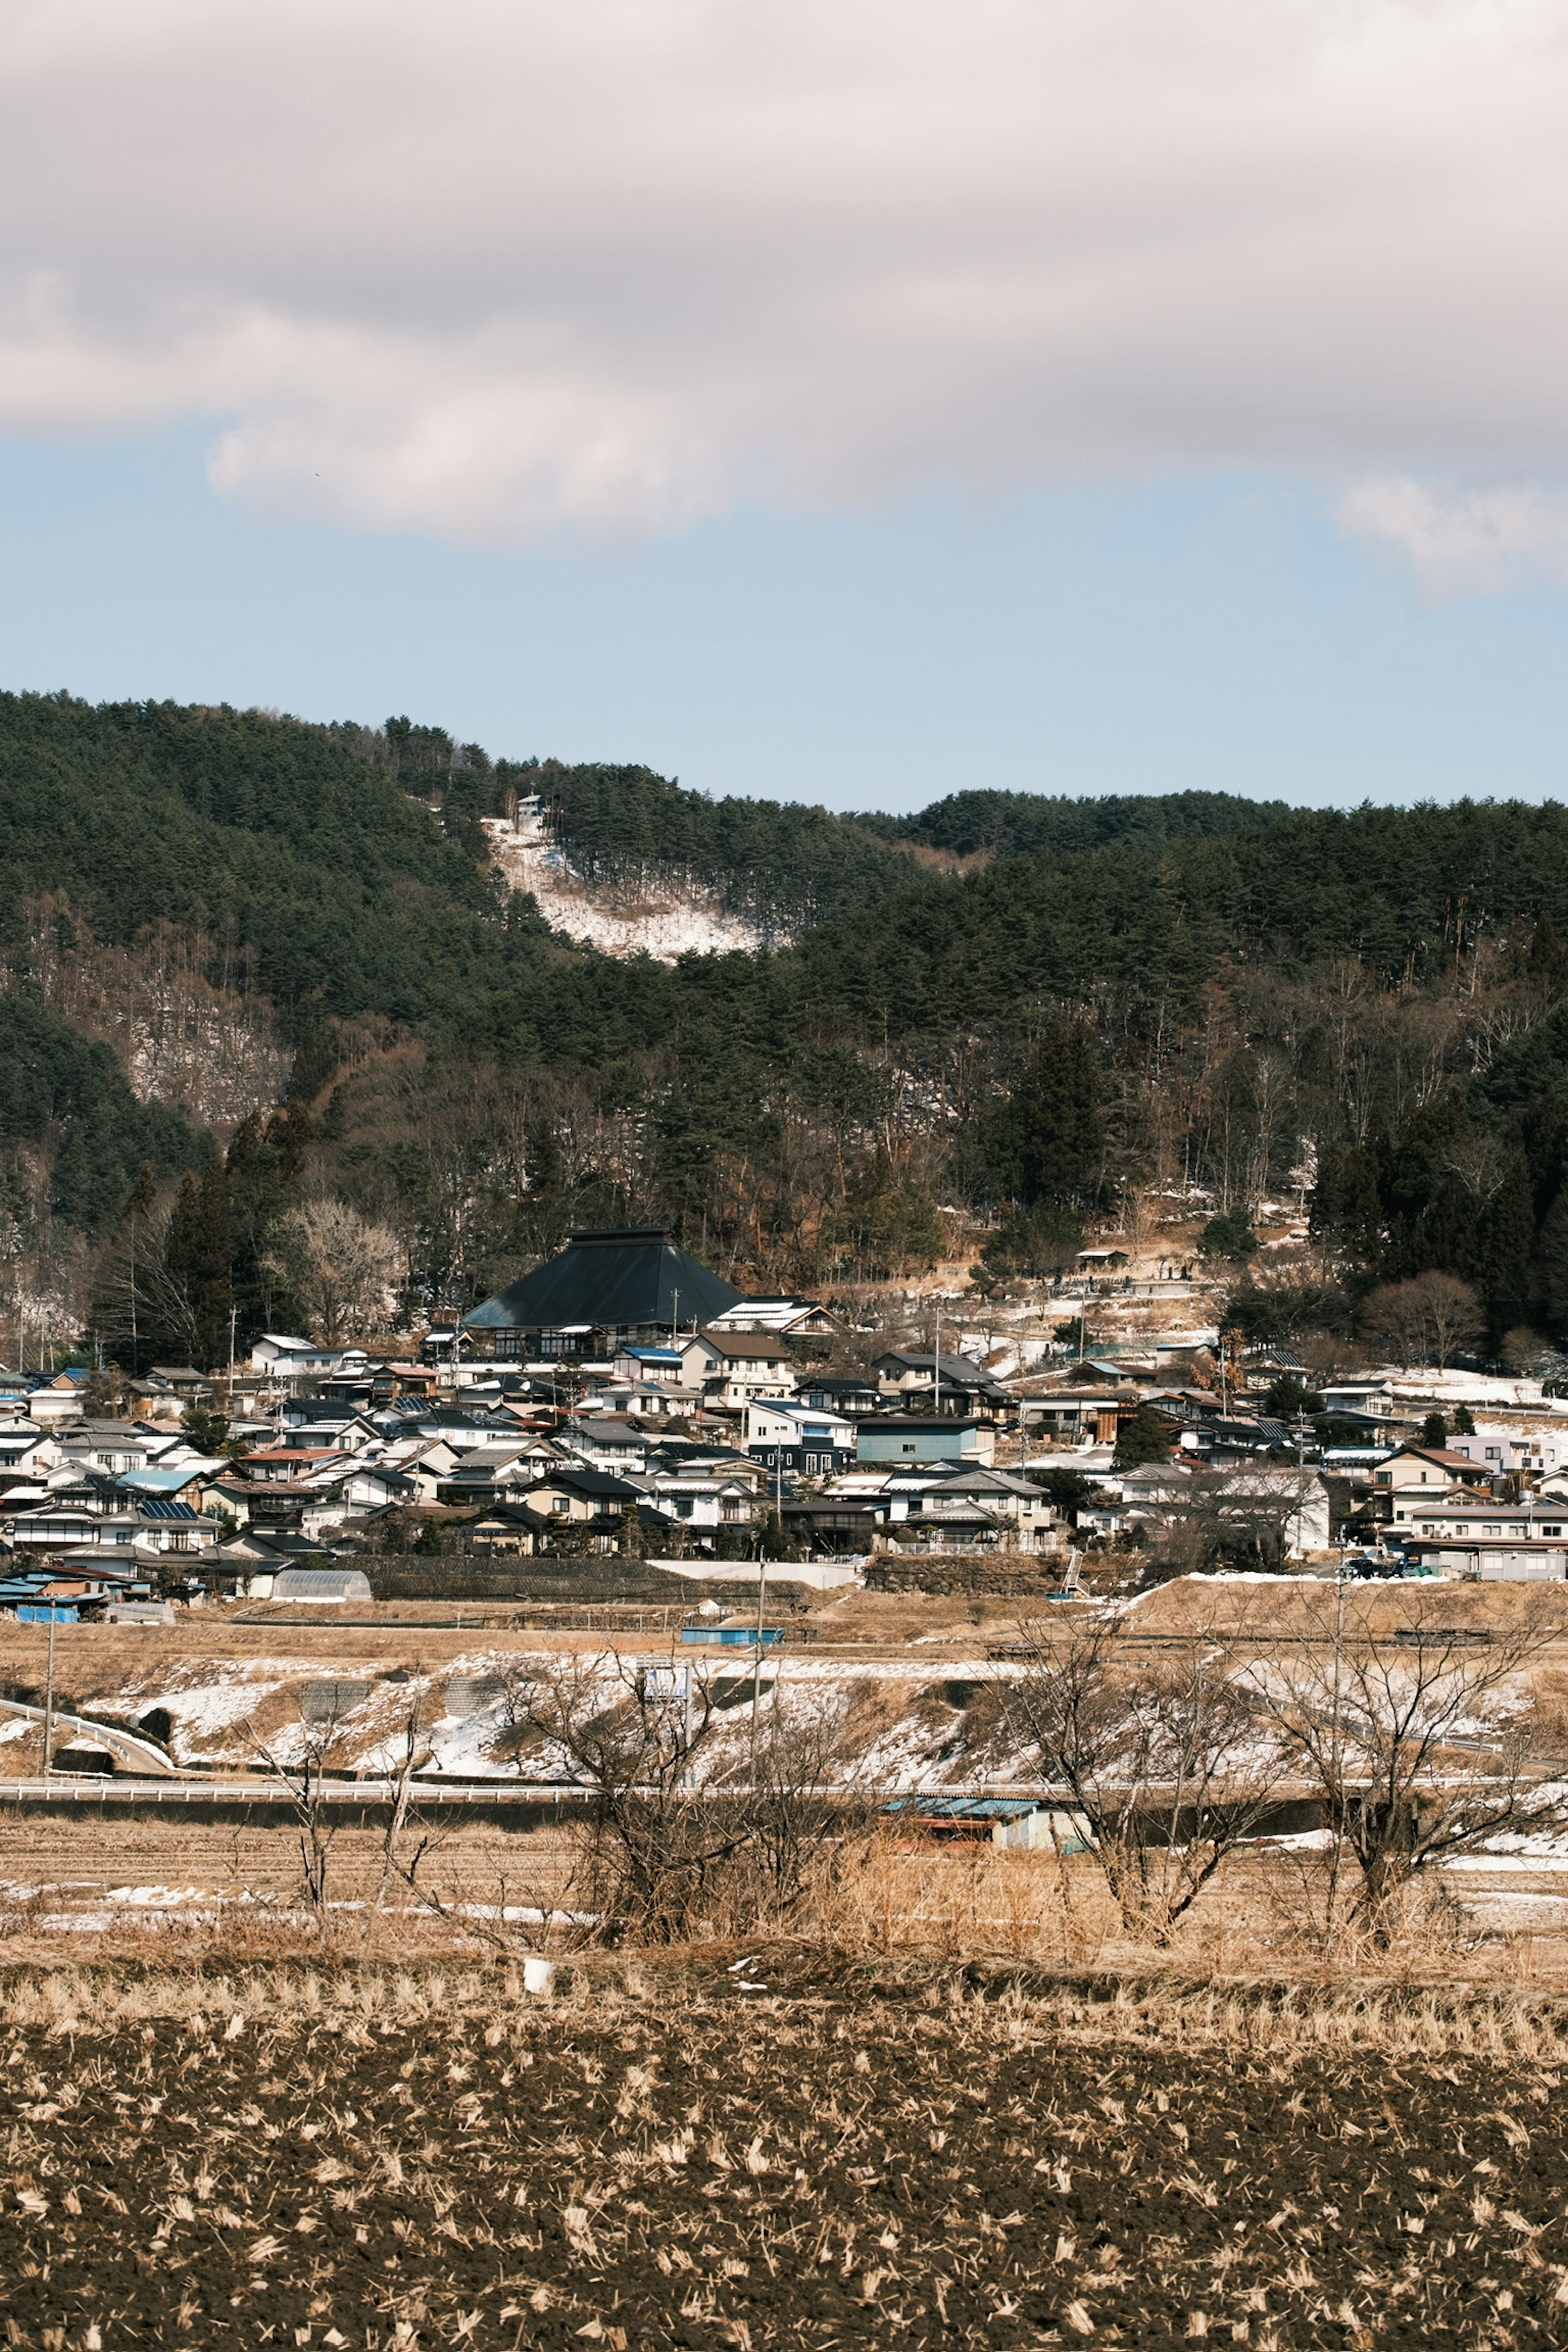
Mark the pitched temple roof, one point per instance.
(633, 1274)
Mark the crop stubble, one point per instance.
(834, 2164)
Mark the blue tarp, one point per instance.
(733, 1636)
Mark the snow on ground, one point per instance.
(663, 924)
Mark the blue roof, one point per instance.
(164, 1481)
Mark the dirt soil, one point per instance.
(817, 2163)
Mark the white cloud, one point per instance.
(1486, 540)
(498, 268)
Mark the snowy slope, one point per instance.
(663, 924)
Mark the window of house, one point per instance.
(1550, 1531)
(1494, 1454)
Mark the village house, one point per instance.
(650, 1367)
(1465, 1516)
(287, 1357)
(1405, 1484)
(913, 1437)
(734, 1372)
(841, 1393)
(948, 1384)
(1505, 1448)
(702, 1505)
(836, 1526)
(587, 1505)
(1076, 1416)
(644, 1401)
(782, 1318)
(796, 1441)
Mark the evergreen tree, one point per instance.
(198, 1267)
(1346, 1207)
(1057, 1121)
(1144, 1437)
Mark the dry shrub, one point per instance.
(887, 1895)
(1549, 1711)
(1311, 1903)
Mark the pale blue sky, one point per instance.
(1217, 632)
(851, 401)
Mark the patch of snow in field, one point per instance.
(213, 1706)
(1530, 1863)
(156, 1899)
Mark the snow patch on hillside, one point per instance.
(661, 923)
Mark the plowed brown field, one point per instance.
(830, 2164)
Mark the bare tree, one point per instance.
(303, 1780)
(339, 1266)
(1427, 1320)
(666, 1843)
(1252, 1516)
(1168, 1767)
(1415, 1736)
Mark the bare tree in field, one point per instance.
(303, 1780)
(665, 1844)
(1416, 1737)
(1167, 1764)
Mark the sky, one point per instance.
(853, 402)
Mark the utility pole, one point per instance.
(936, 1363)
(49, 1700)
(757, 1665)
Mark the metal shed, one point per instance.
(1003, 1821)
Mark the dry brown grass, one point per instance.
(1264, 2017)
(1267, 1914)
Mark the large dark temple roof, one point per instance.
(611, 1280)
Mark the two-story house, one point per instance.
(798, 1441)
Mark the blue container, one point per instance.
(732, 1637)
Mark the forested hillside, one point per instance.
(1030, 1010)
